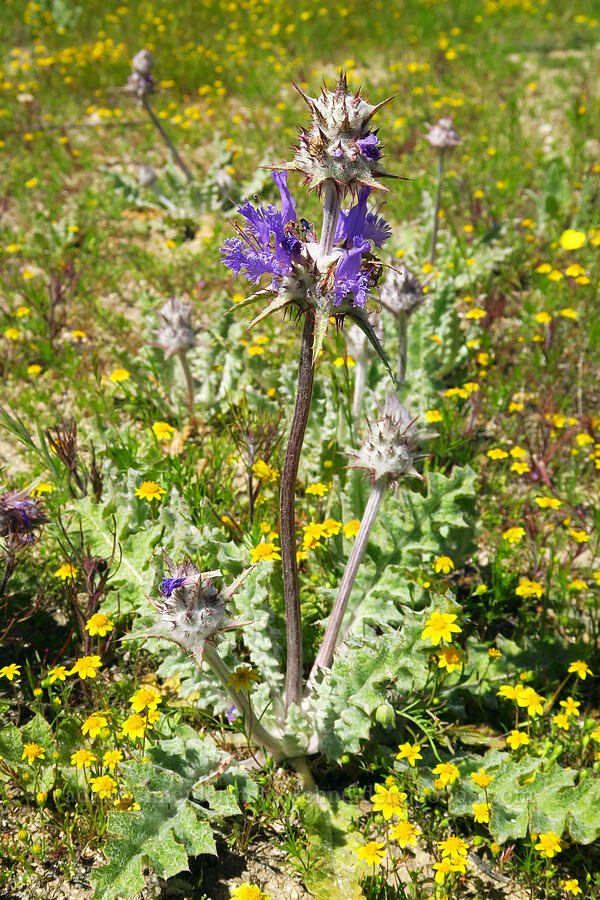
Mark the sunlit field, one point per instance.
(299, 450)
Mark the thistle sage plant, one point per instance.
(318, 278)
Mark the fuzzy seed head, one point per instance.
(443, 134)
(339, 145)
(401, 292)
(175, 334)
(389, 447)
(191, 610)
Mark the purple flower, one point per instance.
(168, 585)
(356, 222)
(263, 245)
(349, 278)
(231, 714)
(369, 147)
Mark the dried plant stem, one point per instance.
(189, 381)
(332, 204)
(402, 322)
(287, 507)
(174, 152)
(345, 589)
(436, 206)
(243, 703)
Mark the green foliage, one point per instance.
(169, 826)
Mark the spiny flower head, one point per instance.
(175, 333)
(443, 134)
(388, 450)
(401, 292)
(192, 610)
(141, 82)
(339, 145)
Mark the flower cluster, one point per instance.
(141, 82)
(20, 515)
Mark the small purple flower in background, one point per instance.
(232, 714)
(20, 515)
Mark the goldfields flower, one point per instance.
(447, 866)
(162, 431)
(450, 658)
(126, 803)
(94, 724)
(517, 739)
(528, 588)
(103, 785)
(571, 707)
(571, 886)
(549, 844)
(118, 375)
(481, 778)
(66, 571)
(319, 489)
(405, 833)
(86, 667)
(443, 564)
(33, 751)
(99, 624)
(572, 240)
(580, 668)
(453, 846)
(481, 812)
(82, 758)
(561, 720)
(389, 801)
(410, 752)
(351, 528)
(58, 673)
(532, 701)
(264, 551)
(112, 758)
(389, 447)
(175, 333)
(440, 627)
(145, 698)
(447, 774)
(134, 727)
(10, 672)
(264, 472)
(242, 677)
(372, 852)
(513, 535)
(248, 892)
(149, 490)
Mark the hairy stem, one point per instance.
(402, 320)
(174, 152)
(287, 517)
(189, 381)
(345, 589)
(360, 381)
(243, 703)
(332, 204)
(436, 207)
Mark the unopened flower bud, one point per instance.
(401, 291)
(389, 448)
(339, 145)
(191, 610)
(142, 62)
(175, 334)
(443, 134)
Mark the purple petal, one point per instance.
(369, 147)
(288, 206)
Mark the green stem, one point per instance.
(189, 381)
(242, 701)
(402, 320)
(287, 513)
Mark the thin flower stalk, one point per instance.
(442, 136)
(436, 206)
(173, 149)
(345, 589)
(189, 381)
